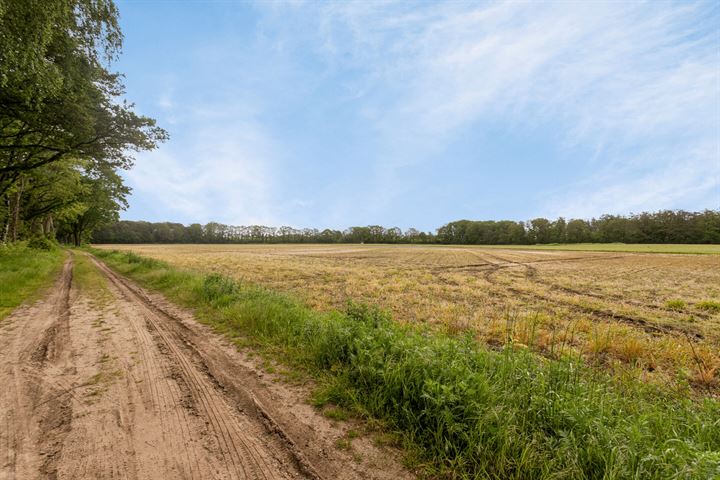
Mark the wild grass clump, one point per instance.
(470, 411)
(676, 304)
(710, 306)
(216, 287)
(131, 257)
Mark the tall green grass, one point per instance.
(23, 271)
(470, 411)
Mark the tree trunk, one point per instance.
(77, 234)
(6, 221)
(48, 226)
(14, 221)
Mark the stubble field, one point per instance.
(653, 316)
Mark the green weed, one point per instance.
(217, 288)
(335, 413)
(709, 306)
(676, 304)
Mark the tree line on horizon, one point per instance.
(665, 226)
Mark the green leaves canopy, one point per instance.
(59, 103)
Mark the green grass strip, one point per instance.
(669, 248)
(470, 411)
(23, 272)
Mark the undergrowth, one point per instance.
(471, 412)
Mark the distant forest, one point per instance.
(666, 226)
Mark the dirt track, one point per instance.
(116, 383)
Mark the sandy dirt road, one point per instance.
(114, 382)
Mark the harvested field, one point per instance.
(649, 315)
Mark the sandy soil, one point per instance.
(118, 383)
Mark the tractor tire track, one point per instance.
(34, 355)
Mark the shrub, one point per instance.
(42, 243)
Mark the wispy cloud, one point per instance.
(220, 172)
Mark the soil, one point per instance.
(119, 383)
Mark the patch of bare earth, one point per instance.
(126, 385)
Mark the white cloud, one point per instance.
(686, 182)
(166, 101)
(219, 172)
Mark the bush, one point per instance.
(42, 243)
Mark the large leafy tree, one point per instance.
(59, 103)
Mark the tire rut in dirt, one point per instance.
(222, 372)
(36, 401)
(245, 455)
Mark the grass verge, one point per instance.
(470, 412)
(23, 272)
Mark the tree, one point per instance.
(539, 230)
(58, 102)
(56, 98)
(103, 196)
(578, 231)
(45, 195)
(558, 232)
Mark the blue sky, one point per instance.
(319, 114)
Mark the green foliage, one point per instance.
(664, 227)
(23, 271)
(216, 286)
(58, 99)
(709, 306)
(42, 243)
(675, 248)
(64, 128)
(472, 412)
(102, 196)
(131, 257)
